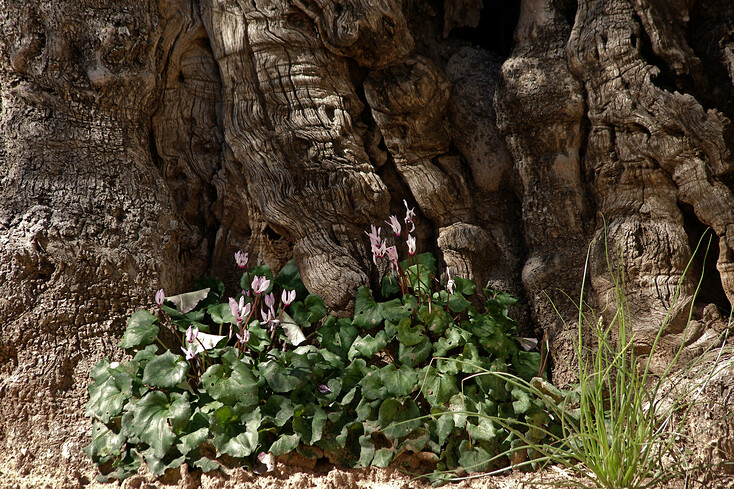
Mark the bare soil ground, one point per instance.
(321, 477)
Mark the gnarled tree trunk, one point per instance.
(143, 143)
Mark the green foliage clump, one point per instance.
(409, 373)
(624, 426)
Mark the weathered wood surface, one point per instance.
(650, 150)
(142, 143)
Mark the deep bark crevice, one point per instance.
(154, 156)
(496, 26)
(567, 9)
(665, 78)
(704, 261)
(709, 34)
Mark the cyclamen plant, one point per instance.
(241, 380)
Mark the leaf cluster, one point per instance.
(421, 372)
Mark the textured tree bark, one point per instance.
(143, 143)
(650, 150)
(88, 223)
(541, 110)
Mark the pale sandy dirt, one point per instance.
(282, 478)
(327, 477)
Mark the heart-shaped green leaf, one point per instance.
(107, 398)
(437, 387)
(367, 312)
(382, 457)
(235, 434)
(278, 377)
(435, 318)
(483, 430)
(389, 286)
(315, 308)
(474, 458)
(398, 419)
(192, 441)
(413, 356)
(451, 339)
(372, 386)
(105, 444)
(527, 364)
(409, 334)
(366, 450)
(232, 381)
(465, 286)
(444, 427)
(399, 381)
(278, 409)
(337, 336)
(165, 370)
(457, 302)
(367, 346)
(141, 330)
(150, 420)
(207, 464)
(157, 466)
(221, 313)
(397, 309)
(285, 444)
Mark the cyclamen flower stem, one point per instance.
(202, 346)
(245, 322)
(272, 333)
(401, 282)
(418, 281)
(400, 279)
(404, 284)
(161, 343)
(170, 325)
(272, 339)
(200, 364)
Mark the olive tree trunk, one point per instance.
(143, 143)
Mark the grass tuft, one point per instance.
(622, 425)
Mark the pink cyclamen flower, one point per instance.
(409, 215)
(260, 284)
(244, 337)
(160, 296)
(239, 310)
(288, 296)
(323, 389)
(410, 241)
(270, 300)
(392, 255)
(269, 319)
(450, 284)
(234, 307)
(244, 309)
(395, 225)
(268, 460)
(376, 243)
(191, 333)
(241, 259)
(190, 354)
(374, 235)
